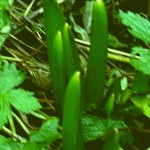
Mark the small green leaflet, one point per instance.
(47, 133)
(81, 31)
(87, 15)
(94, 127)
(124, 83)
(142, 102)
(139, 26)
(20, 99)
(142, 64)
(114, 42)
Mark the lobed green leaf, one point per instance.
(94, 127)
(47, 133)
(24, 101)
(10, 77)
(139, 26)
(143, 64)
(142, 102)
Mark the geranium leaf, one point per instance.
(142, 102)
(23, 101)
(94, 127)
(139, 26)
(142, 64)
(10, 77)
(47, 133)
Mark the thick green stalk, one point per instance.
(58, 72)
(109, 105)
(94, 84)
(72, 62)
(72, 135)
(112, 141)
(54, 22)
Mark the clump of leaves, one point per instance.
(139, 28)
(10, 96)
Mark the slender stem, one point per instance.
(17, 137)
(21, 123)
(16, 39)
(29, 8)
(38, 115)
(44, 115)
(111, 56)
(119, 58)
(11, 58)
(12, 126)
